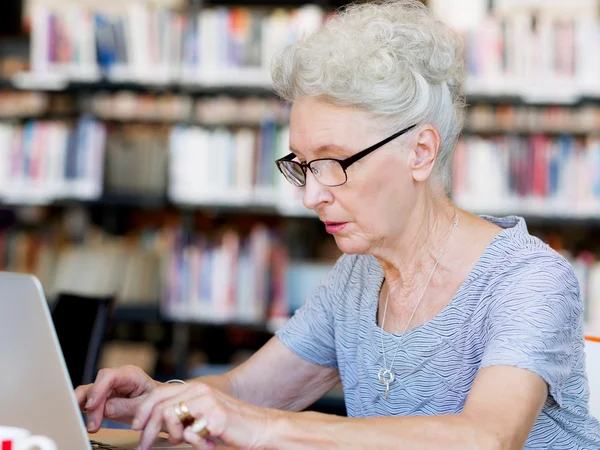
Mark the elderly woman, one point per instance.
(447, 330)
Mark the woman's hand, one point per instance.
(229, 421)
(115, 394)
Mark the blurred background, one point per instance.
(137, 141)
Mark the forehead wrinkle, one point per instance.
(324, 149)
(334, 145)
(330, 129)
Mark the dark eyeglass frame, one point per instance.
(344, 163)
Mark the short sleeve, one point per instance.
(310, 333)
(533, 320)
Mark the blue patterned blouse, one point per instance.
(520, 306)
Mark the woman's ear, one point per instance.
(425, 152)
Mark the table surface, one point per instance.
(124, 437)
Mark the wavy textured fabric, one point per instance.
(519, 306)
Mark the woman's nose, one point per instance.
(315, 193)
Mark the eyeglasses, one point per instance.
(330, 172)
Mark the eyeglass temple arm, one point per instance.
(349, 161)
(288, 157)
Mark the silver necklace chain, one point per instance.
(386, 376)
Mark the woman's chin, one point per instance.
(351, 246)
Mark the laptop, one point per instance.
(35, 388)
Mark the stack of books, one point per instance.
(101, 265)
(28, 252)
(41, 160)
(542, 52)
(224, 110)
(249, 111)
(507, 118)
(537, 175)
(137, 160)
(218, 277)
(17, 104)
(225, 166)
(148, 107)
(141, 43)
(229, 278)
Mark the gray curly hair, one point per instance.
(391, 58)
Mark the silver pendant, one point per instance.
(387, 377)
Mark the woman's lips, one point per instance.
(335, 227)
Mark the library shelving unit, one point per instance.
(183, 139)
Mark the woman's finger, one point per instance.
(125, 380)
(170, 421)
(158, 412)
(157, 396)
(122, 409)
(96, 397)
(196, 441)
(207, 407)
(81, 393)
(163, 418)
(152, 427)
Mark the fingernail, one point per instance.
(136, 424)
(91, 426)
(89, 402)
(109, 410)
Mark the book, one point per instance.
(159, 44)
(540, 53)
(46, 160)
(530, 175)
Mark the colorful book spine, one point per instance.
(49, 160)
(219, 46)
(539, 175)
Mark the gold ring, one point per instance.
(200, 427)
(183, 414)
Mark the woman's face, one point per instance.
(370, 209)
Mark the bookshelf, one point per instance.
(150, 107)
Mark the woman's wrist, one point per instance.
(169, 382)
(295, 430)
(271, 428)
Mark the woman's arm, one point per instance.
(500, 411)
(241, 405)
(276, 377)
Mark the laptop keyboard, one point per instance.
(102, 446)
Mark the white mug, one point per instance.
(13, 438)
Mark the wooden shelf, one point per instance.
(480, 131)
(239, 85)
(256, 84)
(143, 312)
(293, 210)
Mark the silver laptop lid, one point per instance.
(35, 388)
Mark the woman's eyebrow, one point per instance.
(322, 149)
(330, 147)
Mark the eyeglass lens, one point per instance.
(327, 171)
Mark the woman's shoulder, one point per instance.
(519, 254)
(525, 268)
